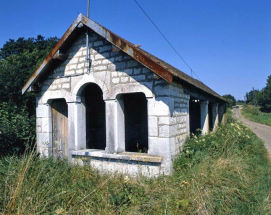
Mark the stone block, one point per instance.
(105, 48)
(96, 62)
(163, 131)
(80, 65)
(118, 58)
(146, 70)
(124, 79)
(152, 126)
(98, 43)
(106, 61)
(137, 71)
(121, 65)
(73, 60)
(73, 66)
(38, 125)
(164, 120)
(42, 111)
(128, 71)
(158, 108)
(114, 74)
(115, 80)
(78, 53)
(70, 72)
(132, 63)
(79, 71)
(99, 56)
(44, 139)
(65, 79)
(112, 67)
(139, 78)
(82, 59)
(100, 68)
(161, 90)
(53, 87)
(66, 86)
(159, 146)
(46, 126)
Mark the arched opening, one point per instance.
(95, 117)
(134, 122)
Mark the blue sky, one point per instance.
(227, 43)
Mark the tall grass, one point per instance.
(254, 114)
(226, 172)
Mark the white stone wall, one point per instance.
(115, 73)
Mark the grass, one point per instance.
(256, 115)
(226, 172)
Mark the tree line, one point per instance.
(263, 96)
(18, 60)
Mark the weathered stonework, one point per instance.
(115, 73)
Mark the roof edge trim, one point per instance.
(38, 71)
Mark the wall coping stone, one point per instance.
(129, 156)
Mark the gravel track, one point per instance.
(262, 131)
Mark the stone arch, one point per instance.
(131, 88)
(58, 94)
(84, 81)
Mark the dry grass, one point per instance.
(221, 173)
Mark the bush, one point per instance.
(16, 129)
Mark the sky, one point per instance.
(227, 43)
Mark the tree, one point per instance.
(250, 96)
(265, 99)
(230, 99)
(18, 60)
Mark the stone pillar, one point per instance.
(120, 126)
(110, 125)
(214, 116)
(76, 126)
(158, 136)
(188, 118)
(221, 113)
(204, 118)
(80, 126)
(71, 127)
(44, 129)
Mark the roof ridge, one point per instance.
(155, 64)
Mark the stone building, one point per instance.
(114, 106)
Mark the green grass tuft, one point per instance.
(255, 115)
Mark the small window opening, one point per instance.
(136, 122)
(194, 115)
(95, 117)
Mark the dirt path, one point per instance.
(262, 131)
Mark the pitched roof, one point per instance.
(158, 66)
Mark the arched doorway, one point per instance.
(95, 117)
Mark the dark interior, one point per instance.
(194, 115)
(95, 117)
(136, 122)
(210, 114)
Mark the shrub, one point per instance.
(16, 129)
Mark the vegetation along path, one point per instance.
(262, 131)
